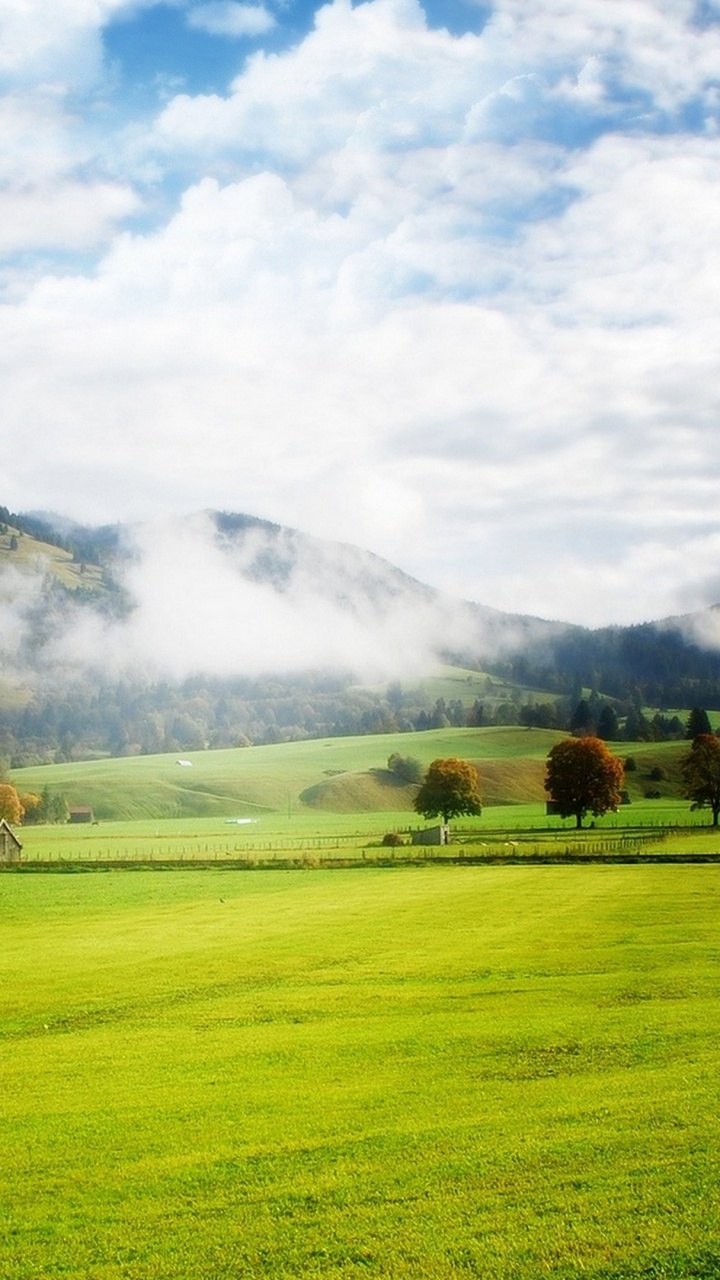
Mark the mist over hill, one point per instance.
(226, 595)
(221, 628)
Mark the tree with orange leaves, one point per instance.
(583, 777)
(11, 807)
(450, 790)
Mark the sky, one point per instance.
(442, 282)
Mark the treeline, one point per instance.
(648, 664)
(89, 718)
(94, 718)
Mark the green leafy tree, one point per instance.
(451, 790)
(700, 770)
(697, 723)
(11, 807)
(583, 777)
(405, 768)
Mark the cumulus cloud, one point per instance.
(43, 42)
(54, 192)
(452, 298)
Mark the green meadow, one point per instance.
(334, 799)
(430, 1072)
(338, 776)
(329, 774)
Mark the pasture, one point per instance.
(334, 799)
(342, 777)
(429, 1073)
(329, 774)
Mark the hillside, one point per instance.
(32, 558)
(220, 629)
(343, 775)
(63, 553)
(337, 774)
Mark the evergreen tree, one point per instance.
(581, 722)
(608, 727)
(700, 770)
(697, 723)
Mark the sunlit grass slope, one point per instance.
(339, 774)
(31, 556)
(418, 1075)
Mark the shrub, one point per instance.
(406, 768)
(392, 839)
(630, 764)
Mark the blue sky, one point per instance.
(439, 281)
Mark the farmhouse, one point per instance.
(10, 846)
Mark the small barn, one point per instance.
(83, 813)
(10, 846)
(431, 835)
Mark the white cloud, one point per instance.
(54, 193)
(75, 216)
(650, 47)
(228, 18)
(394, 305)
(402, 85)
(373, 74)
(247, 625)
(50, 43)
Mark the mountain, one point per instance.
(221, 628)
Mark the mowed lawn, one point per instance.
(416, 1073)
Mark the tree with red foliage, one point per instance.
(583, 777)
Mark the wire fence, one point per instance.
(355, 850)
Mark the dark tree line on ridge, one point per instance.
(91, 717)
(61, 719)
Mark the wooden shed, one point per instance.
(10, 846)
(83, 813)
(431, 835)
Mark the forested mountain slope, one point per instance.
(221, 628)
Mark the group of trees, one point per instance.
(89, 717)
(29, 807)
(583, 776)
(644, 665)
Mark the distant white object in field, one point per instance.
(186, 764)
(239, 822)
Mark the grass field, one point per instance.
(330, 775)
(334, 799)
(258, 780)
(431, 1073)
